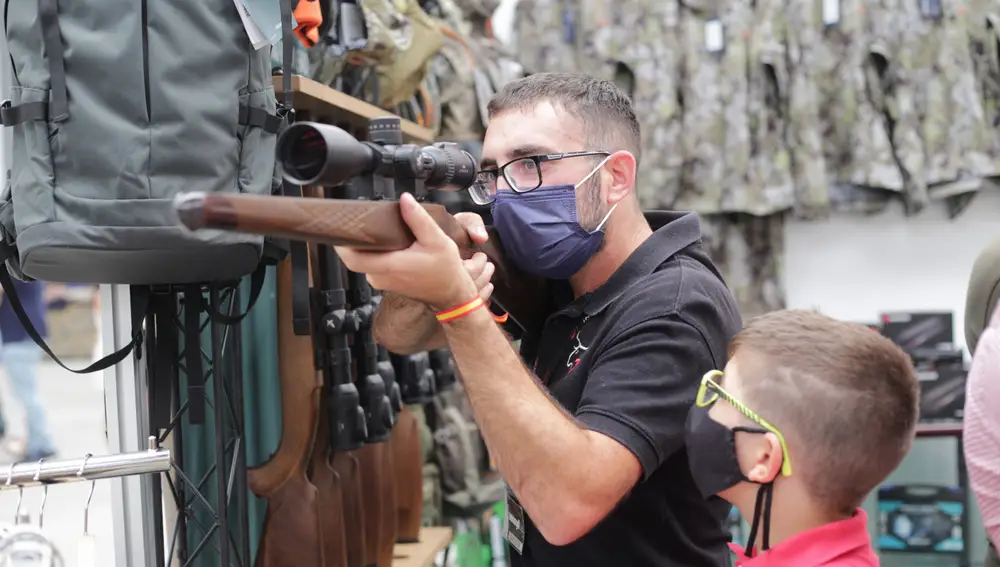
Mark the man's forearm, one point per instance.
(405, 326)
(538, 447)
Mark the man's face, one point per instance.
(547, 129)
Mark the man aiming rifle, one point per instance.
(586, 423)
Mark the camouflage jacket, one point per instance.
(939, 134)
(635, 43)
(543, 37)
(798, 28)
(856, 145)
(731, 88)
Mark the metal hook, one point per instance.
(20, 492)
(45, 492)
(93, 484)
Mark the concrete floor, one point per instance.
(75, 409)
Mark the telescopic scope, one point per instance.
(312, 153)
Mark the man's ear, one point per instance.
(621, 168)
(768, 457)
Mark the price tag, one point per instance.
(715, 39)
(86, 551)
(831, 12)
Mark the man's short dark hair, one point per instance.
(605, 112)
(845, 398)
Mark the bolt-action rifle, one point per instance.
(320, 154)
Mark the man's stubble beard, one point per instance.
(590, 210)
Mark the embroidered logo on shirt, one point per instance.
(578, 349)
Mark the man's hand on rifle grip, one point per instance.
(430, 270)
(480, 269)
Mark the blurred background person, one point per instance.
(21, 358)
(982, 416)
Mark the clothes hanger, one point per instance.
(26, 544)
(86, 548)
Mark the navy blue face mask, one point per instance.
(540, 230)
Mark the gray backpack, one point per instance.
(116, 106)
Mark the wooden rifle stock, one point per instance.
(292, 531)
(325, 478)
(368, 225)
(330, 484)
(409, 464)
(349, 470)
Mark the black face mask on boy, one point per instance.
(711, 449)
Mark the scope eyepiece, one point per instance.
(446, 166)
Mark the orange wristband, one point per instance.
(460, 311)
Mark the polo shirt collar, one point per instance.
(815, 547)
(673, 232)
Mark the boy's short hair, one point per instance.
(845, 398)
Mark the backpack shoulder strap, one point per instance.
(140, 304)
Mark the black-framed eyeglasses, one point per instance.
(521, 174)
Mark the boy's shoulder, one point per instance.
(840, 544)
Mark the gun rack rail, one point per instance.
(21, 475)
(422, 553)
(319, 100)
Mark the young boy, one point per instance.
(809, 416)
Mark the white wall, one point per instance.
(854, 268)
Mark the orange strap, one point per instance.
(501, 319)
(448, 32)
(309, 18)
(460, 311)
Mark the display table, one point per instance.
(422, 553)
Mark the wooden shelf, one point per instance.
(321, 101)
(422, 553)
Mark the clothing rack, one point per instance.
(21, 475)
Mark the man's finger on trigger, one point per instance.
(474, 268)
(478, 261)
(481, 280)
(473, 224)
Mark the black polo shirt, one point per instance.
(626, 360)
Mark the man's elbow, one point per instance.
(570, 522)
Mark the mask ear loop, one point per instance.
(613, 207)
(761, 519)
(607, 216)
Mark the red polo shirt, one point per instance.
(841, 544)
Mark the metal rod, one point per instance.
(153, 460)
(219, 334)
